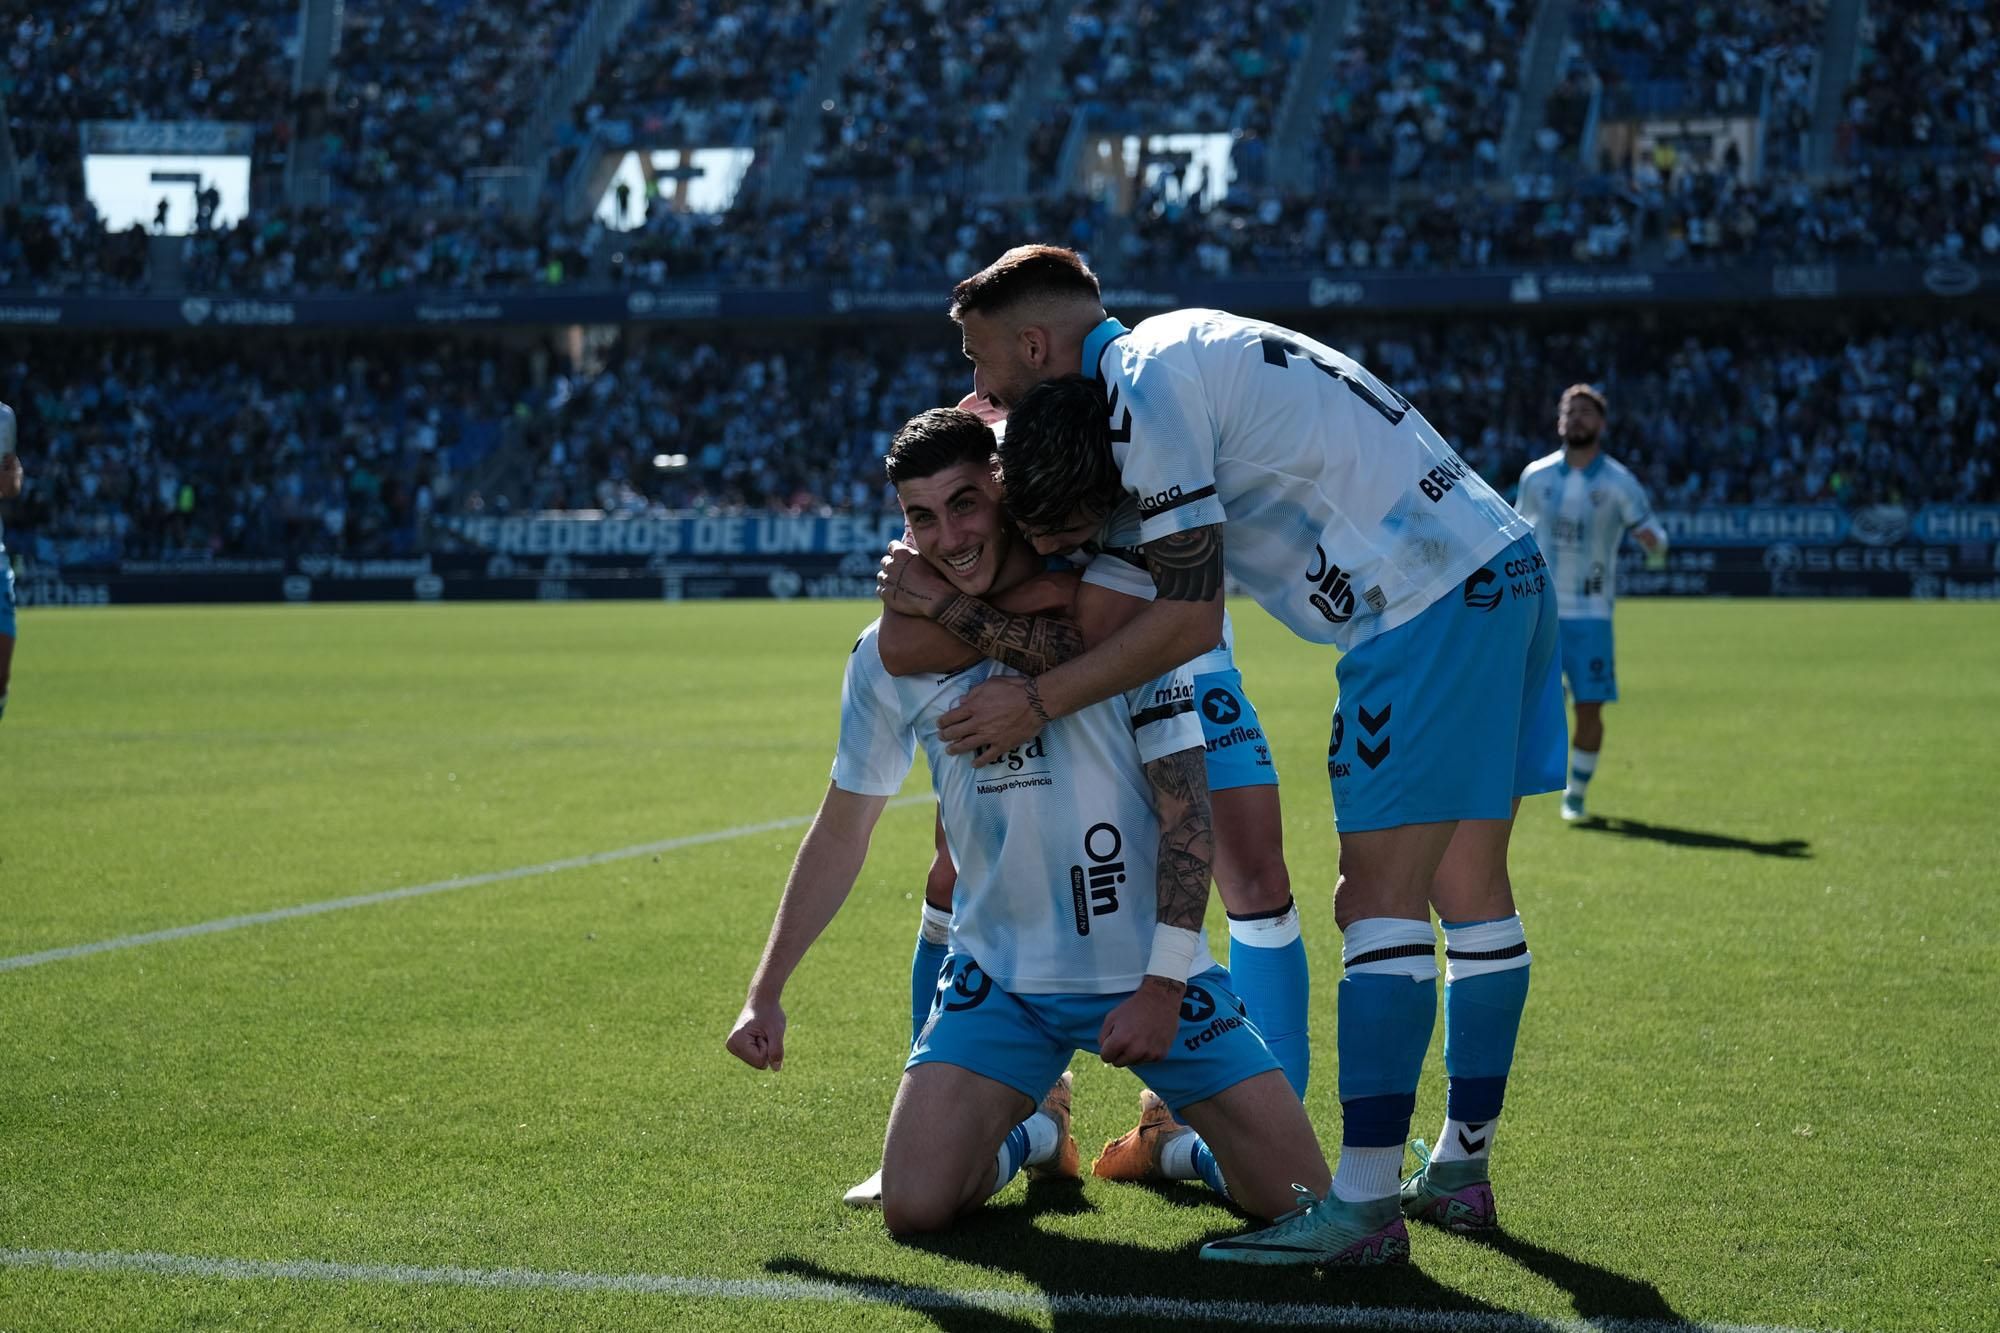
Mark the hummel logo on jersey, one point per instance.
(1093, 889)
(1480, 594)
(1335, 598)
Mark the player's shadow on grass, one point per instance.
(1597, 1293)
(1795, 849)
(1101, 1285)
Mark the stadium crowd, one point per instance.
(195, 447)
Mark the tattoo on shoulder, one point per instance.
(1187, 566)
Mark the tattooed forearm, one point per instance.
(1187, 567)
(1187, 837)
(1029, 644)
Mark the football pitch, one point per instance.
(476, 891)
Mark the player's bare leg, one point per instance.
(933, 944)
(1586, 739)
(941, 1156)
(1264, 1144)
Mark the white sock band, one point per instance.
(936, 928)
(1177, 1156)
(1368, 1173)
(1488, 946)
(1390, 946)
(1042, 1138)
(1266, 932)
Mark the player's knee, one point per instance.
(916, 1212)
(1261, 887)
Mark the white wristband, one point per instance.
(1173, 953)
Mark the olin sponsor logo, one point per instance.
(1333, 596)
(1093, 886)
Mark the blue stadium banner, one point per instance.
(643, 538)
(1369, 291)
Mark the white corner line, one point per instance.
(1179, 1310)
(414, 891)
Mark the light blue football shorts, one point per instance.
(1238, 754)
(1589, 663)
(1026, 1041)
(1456, 713)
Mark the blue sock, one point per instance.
(1267, 966)
(933, 944)
(1486, 988)
(1211, 1174)
(1388, 1005)
(1012, 1156)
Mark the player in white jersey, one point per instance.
(1267, 959)
(10, 486)
(1351, 520)
(1582, 502)
(1056, 943)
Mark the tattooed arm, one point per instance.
(1029, 627)
(1182, 622)
(1142, 1028)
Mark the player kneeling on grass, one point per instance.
(1055, 946)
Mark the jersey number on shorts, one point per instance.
(1392, 412)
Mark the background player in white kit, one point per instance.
(10, 486)
(1059, 939)
(1582, 502)
(1352, 521)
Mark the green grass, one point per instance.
(1755, 1081)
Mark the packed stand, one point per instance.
(1167, 66)
(1749, 413)
(1710, 56)
(62, 248)
(1421, 87)
(710, 72)
(424, 92)
(761, 424)
(141, 60)
(224, 447)
(921, 100)
(1929, 80)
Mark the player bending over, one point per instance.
(1349, 518)
(1052, 950)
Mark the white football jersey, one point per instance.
(1346, 513)
(1056, 845)
(1113, 561)
(1580, 516)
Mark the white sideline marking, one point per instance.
(414, 891)
(1196, 1312)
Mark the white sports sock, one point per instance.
(1042, 1138)
(1459, 1141)
(1582, 763)
(1368, 1173)
(1177, 1156)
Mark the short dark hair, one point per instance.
(932, 441)
(1056, 455)
(1585, 391)
(1024, 271)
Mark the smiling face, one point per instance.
(956, 524)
